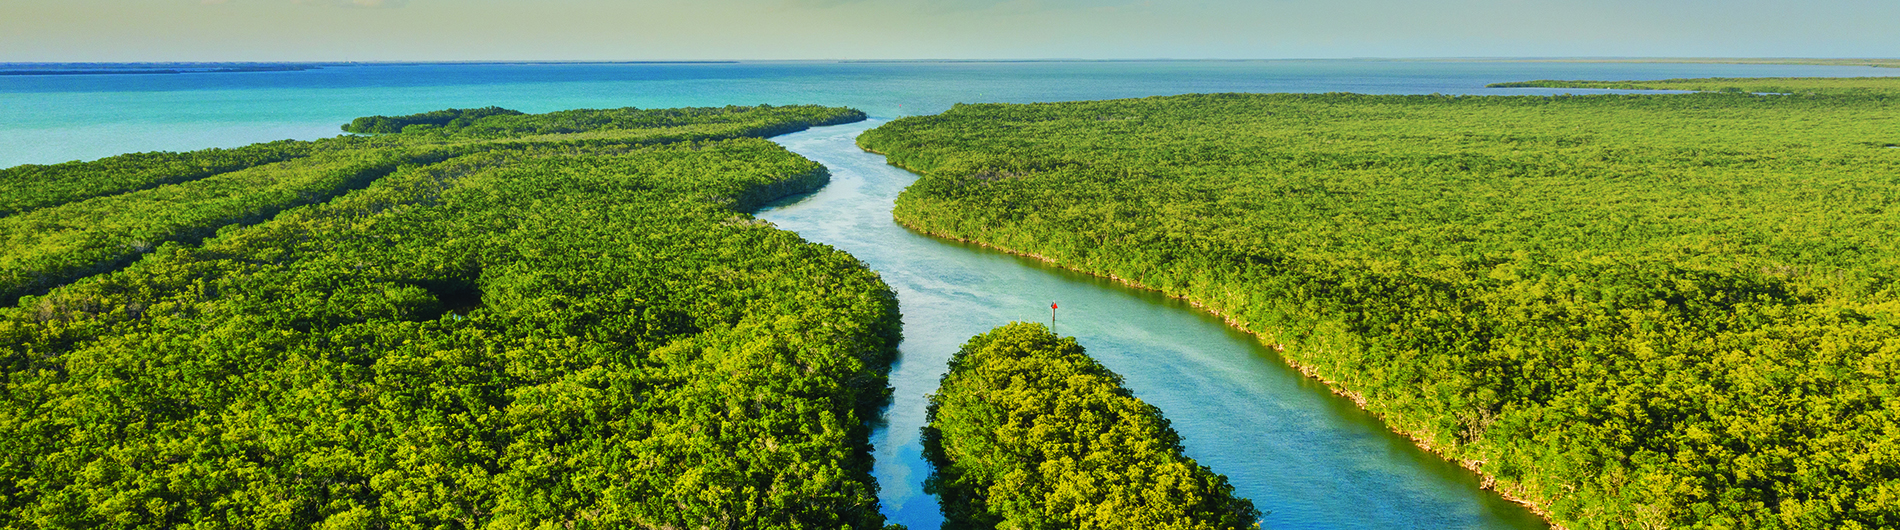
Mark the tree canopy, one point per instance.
(1028, 432)
(445, 118)
(1635, 311)
(503, 334)
(1755, 85)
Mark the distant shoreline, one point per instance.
(1873, 62)
(172, 68)
(162, 71)
(178, 67)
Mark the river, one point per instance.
(1310, 458)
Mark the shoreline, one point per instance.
(1485, 480)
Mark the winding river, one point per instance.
(1309, 458)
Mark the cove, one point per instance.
(1308, 457)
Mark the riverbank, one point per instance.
(1579, 314)
(1309, 458)
(1488, 481)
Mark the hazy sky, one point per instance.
(372, 30)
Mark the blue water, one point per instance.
(47, 119)
(1310, 458)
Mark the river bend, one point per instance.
(1309, 458)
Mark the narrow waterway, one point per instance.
(1310, 458)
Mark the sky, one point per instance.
(452, 30)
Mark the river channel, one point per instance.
(1309, 458)
(1312, 459)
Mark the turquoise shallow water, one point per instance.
(47, 119)
(1312, 459)
(1309, 457)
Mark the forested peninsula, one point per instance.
(1027, 431)
(563, 320)
(1839, 86)
(1630, 311)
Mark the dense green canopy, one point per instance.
(516, 334)
(139, 202)
(33, 186)
(1635, 311)
(446, 118)
(1755, 85)
(1028, 432)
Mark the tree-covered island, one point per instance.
(1027, 431)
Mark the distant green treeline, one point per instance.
(1761, 85)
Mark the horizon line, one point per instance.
(947, 60)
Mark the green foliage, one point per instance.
(58, 244)
(628, 126)
(1755, 85)
(1028, 432)
(764, 120)
(1876, 63)
(523, 336)
(51, 246)
(613, 125)
(450, 118)
(25, 188)
(1636, 311)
